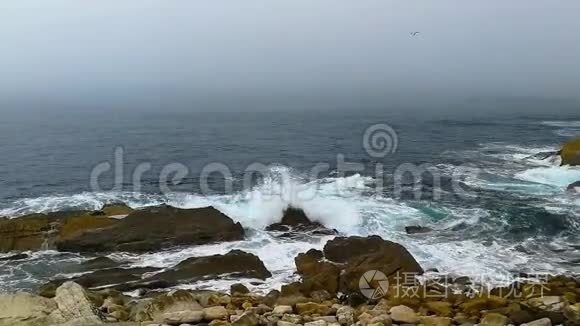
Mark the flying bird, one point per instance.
(415, 33)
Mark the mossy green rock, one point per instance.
(44, 231)
(570, 152)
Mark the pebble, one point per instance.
(217, 312)
(403, 314)
(183, 317)
(281, 310)
(539, 322)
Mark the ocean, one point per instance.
(494, 207)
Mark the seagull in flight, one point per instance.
(415, 33)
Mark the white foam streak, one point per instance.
(553, 176)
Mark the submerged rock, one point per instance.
(157, 228)
(295, 222)
(14, 257)
(99, 263)
(574, 186)
(413, 229)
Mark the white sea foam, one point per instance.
(555, 176)
(562, 123)
(344, 203)
(566, 128)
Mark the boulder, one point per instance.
(238, 289)
(182, 317)
(248, 318)
(75, 306)
(72, 305)
(436, 321)
(295, 222)
(551, 307)
(362, 254)
(316, 273)
(313, 308)
(345, 315)
(539, 322)
(216, 312)
(236, 263)
(285, 323)
(572, 313)
(343, 263)
(477, 304)
(494, 319)
(404, 315)
(280, 310)
(42, 231)
(18, 308)
(570, 152)
(154, 228)
(440, 308)
(293, 318)
(173, 302)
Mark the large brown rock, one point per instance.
(570, 152)
(345, 260)
(362, 254)
(295, 222)
(156, 228)
(43, 231)
(236, 263)
(316, 273)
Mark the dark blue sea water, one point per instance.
(511, 213)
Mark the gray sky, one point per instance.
(211, 49)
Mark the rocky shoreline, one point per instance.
(352, 281)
